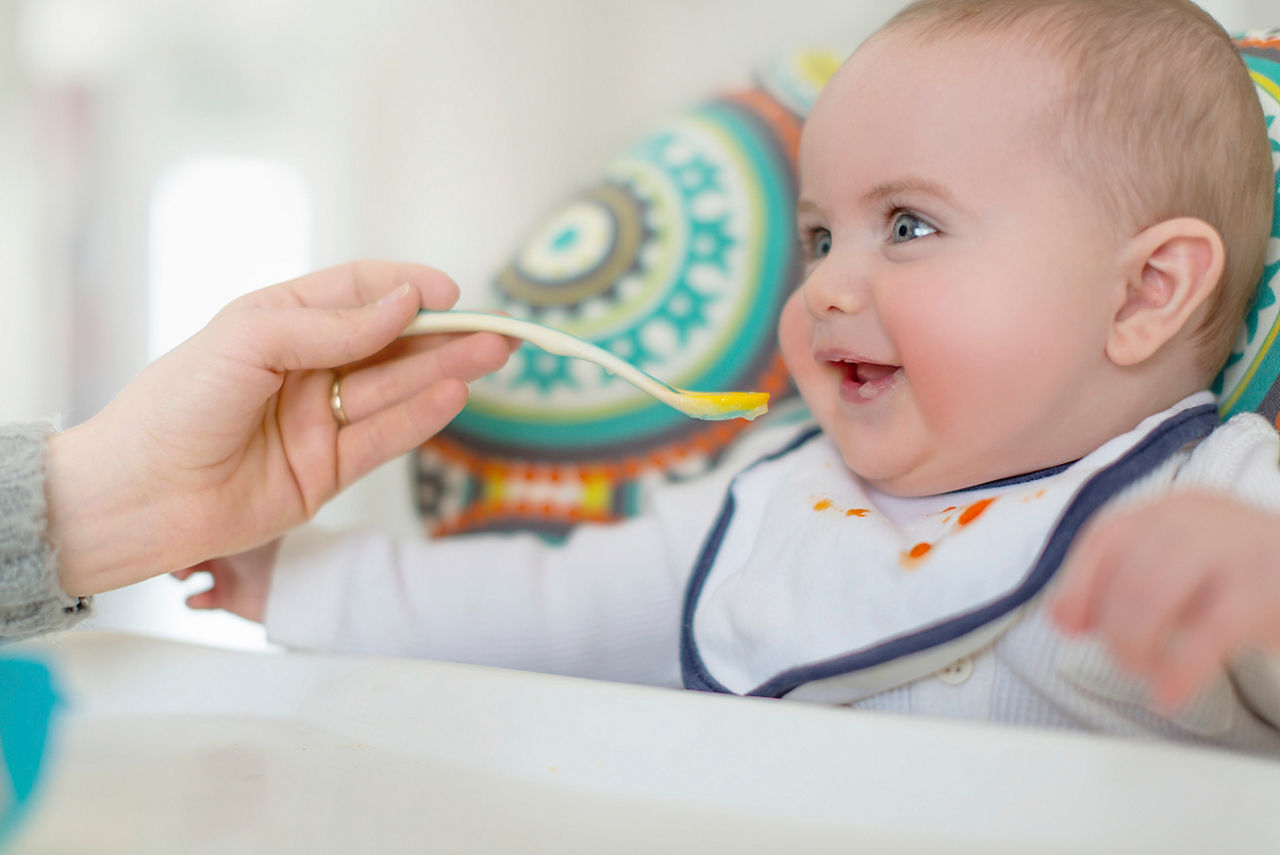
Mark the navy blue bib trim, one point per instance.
(1019, 479)
(694, 672)
(1179, 430)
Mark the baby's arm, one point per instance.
(604, 604)
(1176, 588)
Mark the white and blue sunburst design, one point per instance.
(677, 262)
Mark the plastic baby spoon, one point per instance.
(699, 405)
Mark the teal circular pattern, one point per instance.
(580, 254)
(1250, 381)
(678, 262)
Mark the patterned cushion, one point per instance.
(679, 261)
(1251, 379)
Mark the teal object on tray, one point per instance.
(28, 702)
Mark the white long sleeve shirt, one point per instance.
(608, 602)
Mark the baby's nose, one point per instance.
(830, 289)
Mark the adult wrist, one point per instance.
(96, 515)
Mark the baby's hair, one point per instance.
(1161, 120)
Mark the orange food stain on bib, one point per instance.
(974, 511)
(827, 504)
(912, 557)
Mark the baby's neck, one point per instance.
(1004, 473)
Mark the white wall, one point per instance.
(431, 130)
(33, 370)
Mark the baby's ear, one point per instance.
(1170, 269)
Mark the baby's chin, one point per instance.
(893, 480)
(910, 465)
(911, 479)
(911, 488)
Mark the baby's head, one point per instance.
(1028, 224)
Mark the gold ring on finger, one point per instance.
(335, 402)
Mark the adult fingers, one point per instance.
(409, 345)
(377, 438)
(382, 384)
(282, 339)
(355, 284)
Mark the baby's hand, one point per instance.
(1175, 588)
(240, 582)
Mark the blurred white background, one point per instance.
(160, 157)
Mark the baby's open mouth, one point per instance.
(866, 380)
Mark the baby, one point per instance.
(1030, 240)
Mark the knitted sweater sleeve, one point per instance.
(31, 599)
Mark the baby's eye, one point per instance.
(817, 243)
(907, 226)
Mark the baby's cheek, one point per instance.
(795, 335)
(957, 381)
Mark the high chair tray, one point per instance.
(171, 748)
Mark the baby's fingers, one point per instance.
(205, 600)
(208, 599)
(1147, 601)
(1074, 606)
(185, 573)
(1196, 649)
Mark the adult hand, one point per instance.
(229, 440)
(1175, 588)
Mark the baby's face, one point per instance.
(951, 326)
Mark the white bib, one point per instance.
(807, 588)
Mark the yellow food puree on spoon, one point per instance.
(712, 406)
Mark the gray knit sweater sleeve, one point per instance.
(31, 600)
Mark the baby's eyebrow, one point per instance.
(909, 184)
(804, 206)
(913, 184)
